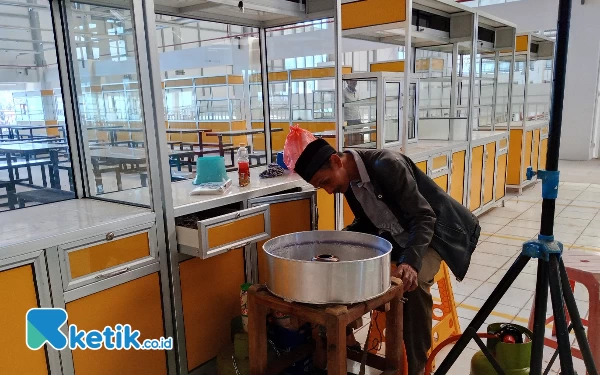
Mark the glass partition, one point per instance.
(502, 113)
(538, 90)
(301, 74)
(393, 112)
(518, 91)
(108, 98)
(212, 92)
(35, 159)
(360, 113)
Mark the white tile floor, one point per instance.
(504, 229)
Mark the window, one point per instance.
(35, 160)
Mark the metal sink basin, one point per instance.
(322, 267)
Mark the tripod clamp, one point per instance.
(550, 181)
(544, 245)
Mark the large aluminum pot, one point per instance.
(321, 267)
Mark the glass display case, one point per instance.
(28, 107)
(279, 100)
(323, 104)
(372, 108)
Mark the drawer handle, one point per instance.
(238, 215)
(110, 236)
(111, 274)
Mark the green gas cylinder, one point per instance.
(514, 357)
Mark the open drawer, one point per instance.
(213, 232)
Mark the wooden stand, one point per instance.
(335, 319)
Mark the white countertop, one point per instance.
(40, 227)
(185, 204)
(519, 124)
(480, 135)
(424, 148)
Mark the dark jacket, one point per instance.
(430, 216)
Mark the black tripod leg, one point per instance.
(539, 321)
(582, 340)
(562, 332)
(483, 313)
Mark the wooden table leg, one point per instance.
(394, 348)
(257, 326)
(336, 346)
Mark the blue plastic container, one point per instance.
(210, 169)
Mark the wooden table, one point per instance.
(13, 130)
(335, 319)
(116, 157)
(234, 133)
(32, 149)
(112, 131)
(183, 131)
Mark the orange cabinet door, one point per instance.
(210, 297)
(286, 217)
(476, 177)
(138, 303)
(528, 152)
(457, 178)
(536, 149)
(442, 181)
(18, 293)
(543, 150)
(326, 206)
(501, 177)
(490, 162)
(515, 147)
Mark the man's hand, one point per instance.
(408, 275)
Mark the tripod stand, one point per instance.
(551, 270)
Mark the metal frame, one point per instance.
(37, 260)
(264, 73)
(71, 112)
(70, 283)
(204, 251)
(339, 88)
(252, 250)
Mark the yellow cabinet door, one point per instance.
(422, 165)
(138, 303)
(442, 181)
(326, 206)
(476, 176)
(18, 294)
(528, 152)
(286, 217)
(210, 296)
(515, 146)
(501, 177)
(543, 150)
(490, 162)
(458, 176)
(536, 149)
